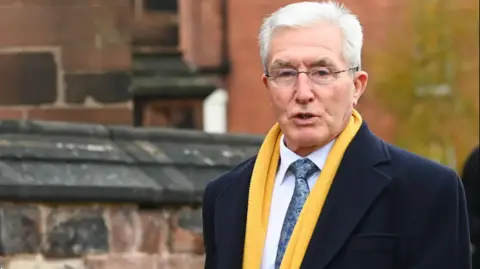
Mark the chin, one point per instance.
(310, 137)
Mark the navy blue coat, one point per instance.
(387, 209)
(471, 181)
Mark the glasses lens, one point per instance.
(284, 77)
(321, 76)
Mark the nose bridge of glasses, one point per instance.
(308, 73)
(308, 79)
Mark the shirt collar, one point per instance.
(287, 157)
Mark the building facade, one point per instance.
(195, 64)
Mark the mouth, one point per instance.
(304, 119)
(303, 116)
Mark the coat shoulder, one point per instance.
(218, 185)
(417, 169)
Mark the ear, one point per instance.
(360, 83)
(265, 81)
(267, 87)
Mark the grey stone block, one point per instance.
(74, 233)
(19, 229)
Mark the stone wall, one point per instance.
(83, 196)
(99, 236)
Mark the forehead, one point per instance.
(305, 46)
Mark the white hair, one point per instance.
(305, 14)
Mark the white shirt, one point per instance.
(282, 194)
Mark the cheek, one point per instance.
(338, 100)
(280, 103)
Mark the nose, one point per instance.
(304, 93)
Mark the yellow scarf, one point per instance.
(260, 196)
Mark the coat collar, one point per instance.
(357, 184)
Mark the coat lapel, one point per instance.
(231, 217)
(354, 189)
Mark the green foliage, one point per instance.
(428, 79)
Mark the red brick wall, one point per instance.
(89, 43)
(86, 45)
(201, 33)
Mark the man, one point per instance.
(471, 180)
(323, 192)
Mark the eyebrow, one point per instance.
(324, 62)
(281, 64)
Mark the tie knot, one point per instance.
(303, 168)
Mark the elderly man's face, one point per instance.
(311, 110)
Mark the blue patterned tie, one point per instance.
(302, 169)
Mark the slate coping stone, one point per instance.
(70, 162)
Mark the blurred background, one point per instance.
(97, 182)
(195, 64)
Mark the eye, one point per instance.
(284, 73)
(321, 72)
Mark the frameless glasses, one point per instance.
(287, 77)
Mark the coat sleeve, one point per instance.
(208, 227)
(471, 181)
(440, 232)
